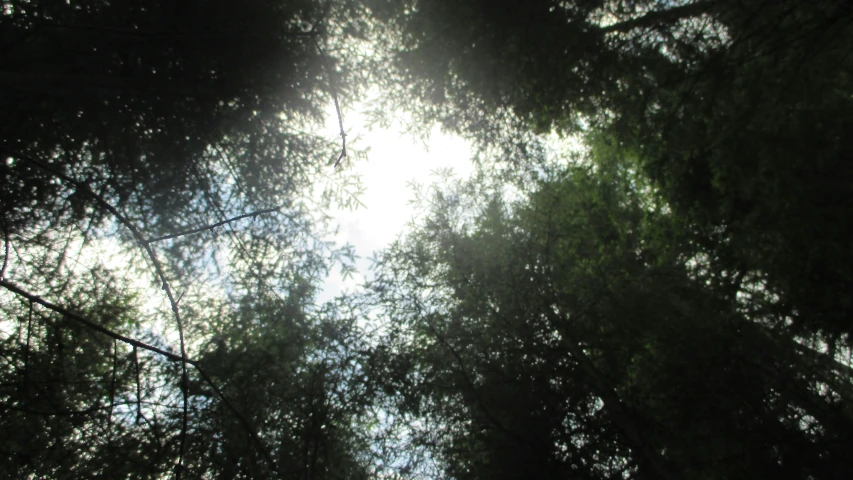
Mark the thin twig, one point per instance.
(214, 225)
(5, 254)
(138, 385)
(113, 384)
(27, 351)
(334, 91)
(241, 247)
(32, 411)
(83, 188)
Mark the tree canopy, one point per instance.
(735, 109)
(571, 333)
(647, 277)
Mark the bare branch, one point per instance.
(214, 225)
(657, 17)
(27, 351)
(90, 324)
(113, 384)
(56, 412)
(138, 385)
(5, 254)
(334, 90)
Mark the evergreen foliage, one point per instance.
(671, 301)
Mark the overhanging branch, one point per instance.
(90, 324)
(657, 17)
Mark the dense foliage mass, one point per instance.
(670, 300)
(125, 126)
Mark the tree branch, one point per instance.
(90, 324)
(214, 225)
(334, 90)
(656, 17)
(138, 385)
(5, 254)
(113, 384)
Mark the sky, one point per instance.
(394, 160)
